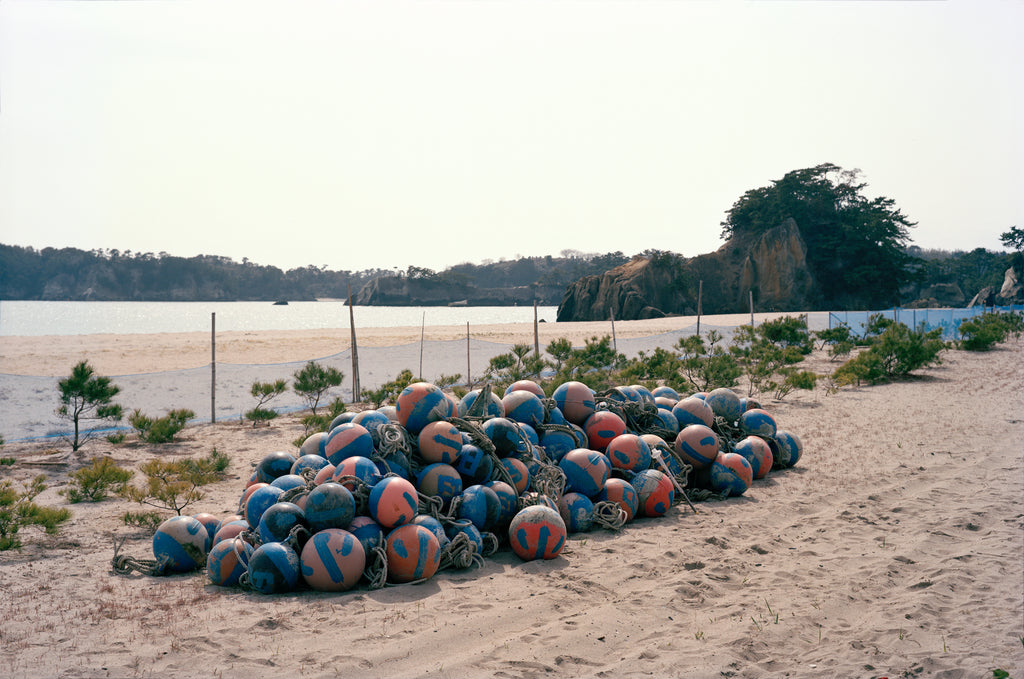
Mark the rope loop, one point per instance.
(123, 564)
(460, 553)
(609, 515)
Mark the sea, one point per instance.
(30, 318)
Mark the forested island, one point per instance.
(808, 241)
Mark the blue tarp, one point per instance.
(948, 320)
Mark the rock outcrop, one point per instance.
(773, 267)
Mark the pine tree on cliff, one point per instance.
(856, 247)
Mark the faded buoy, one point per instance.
(586, 471)
(697, 445)
(629, 452)
(622, 493)
(537, 532)
(180, 541)
(393, 502)
(602, 427)
(731, 472)
(757, 452)
(225, 563)
(273, 568)
(421, 403)
(575, 400)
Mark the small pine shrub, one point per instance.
(895, 352)
(265, 392)
(92, 483)
(7, 461)
(17, 509)
(149, 521)
(161, 429)
(174, 485)
(983, 332)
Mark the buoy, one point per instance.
(180, 541)
(505, 436)
(273, 568)
(329, 505)
(665, 403)
(211, 523)
(340, 418)
(725, 404)
(440, 441)
(480, 506)
(465, 526)
(348, 440)
(757, 452)
(434, 526)
(523, 406)
(654, 492)
(537, 532)
(697, 445)
(474, 464)
(586, 471)
(518, 472)
(273, 465)
(622, 493)
(493, 407)
(369, 533)
(230, 529)
(629, 452)
(731, 472)
(602, 427)
(665, 391)
(557, 443)
(414, 553)
(362, 468)
(315, 462)
(259, 502)
(225, 563)
(278, 521)
(790, 448)
(757, 422)
(693, 410)
(393, 502)
(525, 385)
(667, 421)
(440, 480)
(332, 561)
(289, 481)
(507, 497)
(421, 403)
(575, 400)
(577, 512)
(313, 445)
(324, 475)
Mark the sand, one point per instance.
(894, 548)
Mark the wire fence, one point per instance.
(948, 320)
(28, 403)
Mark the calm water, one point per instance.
(86, 318)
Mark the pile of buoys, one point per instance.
(394, 495)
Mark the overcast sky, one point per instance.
(383, 134)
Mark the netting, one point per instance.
(948, 320)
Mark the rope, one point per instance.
(549, 480)
(702, 495)
(491, 543)
(360, 492)
(432, 505)
(126, 565)
(394, 439)
(609, 515)
(460, 553)
(376, 571)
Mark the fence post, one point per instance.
(536, 333)
(355, 353)
(615, 345)
(700, 295)
(469, 379)
(213, 367)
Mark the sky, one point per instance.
(384, 134)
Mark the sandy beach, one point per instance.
(895, 548)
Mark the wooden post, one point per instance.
(536, 334)
(751, 308)
(423, 330)
(469, 380)
(700, 295)
(356, 391)
(615, 346)
(213, 367)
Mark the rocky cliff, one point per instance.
(774, 267)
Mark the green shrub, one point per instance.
(86, 396)
(708, 367)
(264, 392)
(983, 332)
(895, 352)
(92, 483)
(116, 438)
(175, 484)
(161, 429)
(7, 461)
(389, 391)
(839, 339)
(17, 509)
(313, 381)
(147, 520)
(521, 363)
